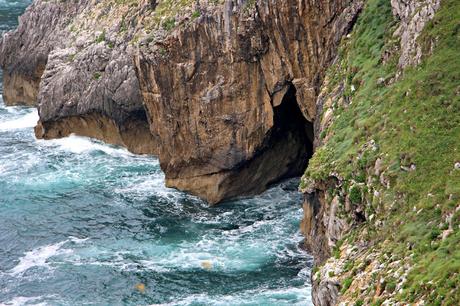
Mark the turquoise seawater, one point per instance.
(9, 12)
(84, 223)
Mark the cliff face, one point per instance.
(232, 97)
(24, 52)
(322, 224)
(224, 93)
(71, 61)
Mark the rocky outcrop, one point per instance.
(94, 92)
(224, 94)
(82, 80)
(24, 52)
(232, 97)
(413, 16)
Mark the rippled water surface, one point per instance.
(82, 222)
(9, 12)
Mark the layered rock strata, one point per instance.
(229, 95)
(67, 58)
(24, 52)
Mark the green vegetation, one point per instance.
(101, 37)
(320, 165)
(336, 250)
(72, 57)
(167, 10)
(249, 5)
(355, 195)
(391, 285)
(413, 119)
(346, 284)
(126, 2)
(196, 14)
(348, 266)
(359, 303)
(169, 23)
(97, 75)
(377, 302)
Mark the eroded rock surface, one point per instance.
(24, 52)
(232, 97)
(67, 58)
(223, 92)
(413, 16)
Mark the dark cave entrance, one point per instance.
(292, 134)
(286, 151)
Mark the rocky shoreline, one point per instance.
(206, 89)
(231, 96)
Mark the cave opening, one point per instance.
(294, 132)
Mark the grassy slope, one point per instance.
(414, 120)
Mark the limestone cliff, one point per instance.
(24, 52)
(223, 92)
(67, 58)
(234, 95)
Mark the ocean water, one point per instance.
(9, 12)
(85, 223)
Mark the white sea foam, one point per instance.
(38, 257)
(153, 185)
(28, 120)
(222, 255)
(77, 240)
(115, 260)
(184, 260)
(78, 145)
(22, 300)
(285, 296)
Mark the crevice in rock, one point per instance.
(136, 135)
(286, 150)
(360, 217)
(289, 145)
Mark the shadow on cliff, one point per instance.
(292, 129)
(285, 153)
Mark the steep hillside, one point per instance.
(383, 188)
